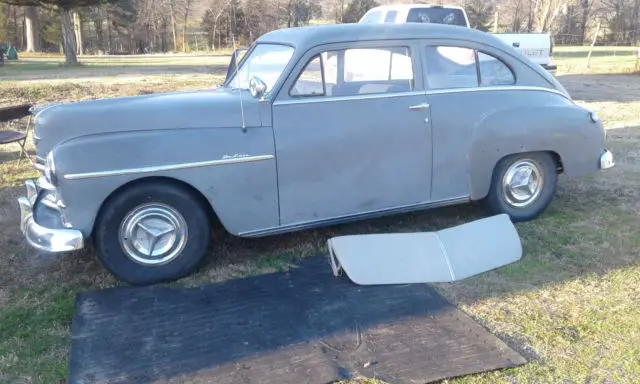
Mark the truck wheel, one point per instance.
(151, 233)
(522, 186)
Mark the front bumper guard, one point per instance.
(606, 160)
(45, 239)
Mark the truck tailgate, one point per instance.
(536, 46)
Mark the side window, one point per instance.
(361, 71)
(390, 17)
(493, 71)
(378, 70)
(310, 82)
(450, 67)
(372, 17)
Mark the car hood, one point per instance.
(211, 108)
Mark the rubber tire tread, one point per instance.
(115, 210)
(494, 201)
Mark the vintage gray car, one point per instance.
(318, 125)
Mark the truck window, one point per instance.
(372, 17)
(390, 17)
(450, 16)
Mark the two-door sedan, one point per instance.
(313, 126)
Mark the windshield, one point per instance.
(452, 16)
(266, 61)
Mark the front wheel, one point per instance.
(151, 233)
(522, 186)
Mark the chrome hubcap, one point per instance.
(522, 183)
(153, 234)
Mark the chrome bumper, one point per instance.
(38, 236)
(606, 160)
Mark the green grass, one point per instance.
(604, 59)
(571, 305)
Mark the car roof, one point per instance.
(309, 36)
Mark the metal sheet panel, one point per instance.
(427, 257)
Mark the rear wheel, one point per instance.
(151, 233)
(522, 185)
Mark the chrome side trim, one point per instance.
(168, 167)
(328, 99)
(495, 88)
(323, 99)
(354, 217)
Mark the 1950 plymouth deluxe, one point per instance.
(314, 126)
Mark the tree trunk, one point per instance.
(68, 36)
(23, 40)
(16, 34)
(184, 27)
(77, 27)
(583, 24)
(544, 17)
(97, 24)
(173, 26)
(32, 29)
(109, 38)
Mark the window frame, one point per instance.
(324, 83)
(281, 96)
(388, 48)
(476, 48)
(386, 17)
(513, 73)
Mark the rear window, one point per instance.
(391, 17)
(372, 17)
(449, 16)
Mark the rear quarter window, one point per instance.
(493, 71)
(390, 17)
(372, 17)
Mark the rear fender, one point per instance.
(565, 130)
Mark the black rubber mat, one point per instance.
(302, 326)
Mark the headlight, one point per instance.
(50, 170)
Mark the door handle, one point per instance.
(419, 106)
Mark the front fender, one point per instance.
(234, 170)
(566, 130)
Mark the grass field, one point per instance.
(571, 305)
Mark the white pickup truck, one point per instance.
(536, 46)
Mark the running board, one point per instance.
(448, 255)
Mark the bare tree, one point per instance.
(66, 23)
(32, 29)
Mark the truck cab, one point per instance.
(538, 47)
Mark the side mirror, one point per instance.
(257, 87)
(238, 54)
